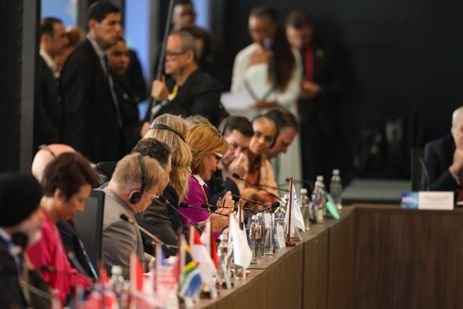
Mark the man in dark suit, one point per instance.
(443, 159)
(321, 86)
(92, 115)
(47, 108)
(20, 225)
(187, 91)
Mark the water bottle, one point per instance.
(253, 230)
(260, 234)
(268, 236)
(305, 208)
(336, 189)
(117, 281)
(318, 204)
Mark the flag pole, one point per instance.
(289, 243)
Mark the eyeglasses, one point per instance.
(218, 156)
(175, 54)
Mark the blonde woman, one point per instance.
(162, 217)
(208, 147)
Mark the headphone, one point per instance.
(46, 148)
(224, 126)
(161, 126)
(135, 197)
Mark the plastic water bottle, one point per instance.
(305, 207)
(117, 281)
(318, 203)
(336, 188)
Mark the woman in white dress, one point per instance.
(270, 72)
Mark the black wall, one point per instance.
(405, 63)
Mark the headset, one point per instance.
(46, 148)
(224, 126)
(161, 126)
(135, 197)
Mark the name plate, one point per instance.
(435, 200)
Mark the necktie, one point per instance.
(113, 93)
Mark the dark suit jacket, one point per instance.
(161, 220)
(72, 243)
(200, 95)
(47, 109)
(90, 116)
(11, 295)
(328, 73)
(438, 156)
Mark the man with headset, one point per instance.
(136, 181)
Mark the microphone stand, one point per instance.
(146, 232)
(256, 186)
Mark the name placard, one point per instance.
(435, 200)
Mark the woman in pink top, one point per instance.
(67, 183)
(207, 147)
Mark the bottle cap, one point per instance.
(116, 270)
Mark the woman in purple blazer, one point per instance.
(207, 147)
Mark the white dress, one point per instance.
(255, 78)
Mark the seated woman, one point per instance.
(208, 147)
(254, 167)
(162, 217)
(67, 183)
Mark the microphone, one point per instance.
(255, 183)
(168, 203)
(425, 174)
(203, 206)
(302, 181)
(146, 232)
(75, 262)
(235, 175)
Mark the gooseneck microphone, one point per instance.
(188, 220)
(204, 207)
(235, 175)
(146, 232)
(426, 175)
(302, 181)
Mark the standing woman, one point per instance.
(208, 147)
(67, 183)
(270, 72)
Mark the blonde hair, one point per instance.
(181, 153)
(128, 174)
(204, 139)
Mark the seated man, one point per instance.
(287, 131)
(237, 132)
(19, 204)
(136, 181)
(156, 218)
(257, 180)
(443, 158)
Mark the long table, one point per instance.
(373, 257)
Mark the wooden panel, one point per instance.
(315, 270)
(341, 285)
(409, 259)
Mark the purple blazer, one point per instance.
(195, 197)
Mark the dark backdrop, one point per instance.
(404, 64)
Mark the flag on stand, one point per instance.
(101, 296)
(208, 239)
(242, 252)
(201, 255)
(166, 278)
(190, 282)
(297, 220)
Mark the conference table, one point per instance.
(375, 256)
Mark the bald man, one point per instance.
(71, 241)
(45, 155)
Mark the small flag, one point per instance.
(190, 282)
(242, 252)
(201, 255)
(297, 220)
(208, 239)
